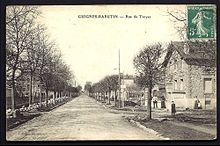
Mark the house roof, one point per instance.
(197, 54)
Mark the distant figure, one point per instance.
(154, 99)
(199, 105)
(163, 102)
(196, 103)
(142, 99)
(173, 109)
(112, 98)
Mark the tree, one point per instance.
(45, 54)
(97, 89)
(178, 18)
(20, 24)
(33, 54)
(72, 90)
(112, 85)
(107, 82)
(50, 74)
(88, 87)
(149, 71)
(79, 88)
(103, 88)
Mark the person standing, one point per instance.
(199, 105)
(173, 108)
(154, 99)
(163, 102)
(196, 103)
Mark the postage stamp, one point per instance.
(200, 22)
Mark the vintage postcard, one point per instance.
(111, 72)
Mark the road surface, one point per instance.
(83, 118)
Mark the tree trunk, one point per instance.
(30, 96)
(149, 103)
(13, 90)
(115, 97)
(58, 95)
(109, 96)
(103, 96)
(46, 98)
(13, 93)
(106, 94)
(144, 99)
(54, 97)
(61, 96)
(40, 98)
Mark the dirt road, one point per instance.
(83, 118)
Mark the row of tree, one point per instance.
(149, 71)
(104, 87)
(31, 56)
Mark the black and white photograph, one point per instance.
(111, 72)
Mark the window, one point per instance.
(207, 85)
(175, 85)
(181, 84)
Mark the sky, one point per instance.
(90, 46)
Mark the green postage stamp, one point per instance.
(200, 22)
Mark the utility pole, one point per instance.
(119, 80)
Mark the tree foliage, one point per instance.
(88, 87)
(107, 84)
(30, 53)
(149, 70)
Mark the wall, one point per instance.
(197, 86)
(178, 73)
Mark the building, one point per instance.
(159, 91)
(190, 73)
(129, 89)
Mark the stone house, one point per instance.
(126, 82)
(191, 72)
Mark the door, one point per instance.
(208, 92)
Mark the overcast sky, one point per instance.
(90, 45)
